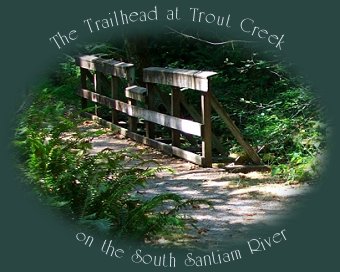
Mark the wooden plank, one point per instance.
(106, 66)
(96, 87)
(186, 126)
(98, 84)
(197, 118)
(83, 84)
(114, 95)
(130, 76)
(150, 127)
(166, 102)
(206, 129)
(132, 121)
(193, 79)
(167, 149)
(234, 130)
(175, 111)
(136, 93)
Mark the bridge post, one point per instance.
(206, 128)
(149, 126)
(114, 95)
(132, 121)
(83, 85)
(175, 111)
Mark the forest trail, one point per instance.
(240, 201)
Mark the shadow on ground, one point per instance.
(240, 201)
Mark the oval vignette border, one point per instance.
(40, 241)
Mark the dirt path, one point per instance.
(240, 201)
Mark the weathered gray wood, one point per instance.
(234, 130)
(186, 126)
(166, 102)
(206, 129)
(130, 76)
(98, 84)
(175, 111)
(106, 66)
(168, 149)
(83, 84)
(132, 121)
(114, 95)
(136, 93)
(150, 127)
(96, 89)
(193, 79)
(198, 118)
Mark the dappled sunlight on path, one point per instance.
(240, 201)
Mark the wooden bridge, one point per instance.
(103, 79)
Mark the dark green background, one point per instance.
(32, 238)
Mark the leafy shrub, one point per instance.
(278, 115)
(96, 190)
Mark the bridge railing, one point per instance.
(101, 81)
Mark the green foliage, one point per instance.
(290, 137)
(277, 114)
(96, 190)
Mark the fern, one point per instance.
(96, 191)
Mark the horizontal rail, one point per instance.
(192, 79)
(187, 126)
(136, 93)
(106, 66)
(168, 149)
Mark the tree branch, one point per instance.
(208, 42)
